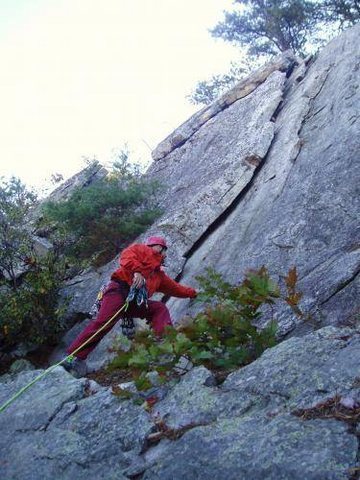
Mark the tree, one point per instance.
(268, 27)
(263, 28)
(31, 312)
(29, 308)
(16, 243)
(343, 12)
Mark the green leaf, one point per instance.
(202, 355)
(140, 357)
(142, 383)
(165, 347)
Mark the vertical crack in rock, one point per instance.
(223, 216)
(306, 115)
(212, 178)
(259, 165)
(308, 94)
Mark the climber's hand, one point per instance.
(139, 280)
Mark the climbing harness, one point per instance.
(127, 323)
(138, 294)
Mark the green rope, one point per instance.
(50, 369)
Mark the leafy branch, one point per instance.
(222, 337)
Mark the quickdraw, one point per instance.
(138, 294)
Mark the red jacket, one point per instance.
(143, 259)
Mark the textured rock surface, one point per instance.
(195, 195)
(283, 63)
(253, 447)
(295, 374)
(82, 290)
(301, 207)
(272, 178)
(89, 175)
(71, 430)
(205, 175)
(248, 427)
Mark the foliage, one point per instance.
(30, 313)
(223, 336)
(29, 285)
(16, 243)
(264, 28)
(97, 221)
(268, 27)
(343, 12)
(206, 91)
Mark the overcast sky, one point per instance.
(79, 78)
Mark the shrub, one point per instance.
(16, 243)
(28, 285)
(96, 222)
(223, 336)
(30, 312)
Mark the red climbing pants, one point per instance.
(113, 299)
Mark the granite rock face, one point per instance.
(299, 206)
(269, 175)
(249, 427)
(205, 175)
(283, 63)
(253, 447)
(193, 194)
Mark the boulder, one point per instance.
(72, 431)
(251, 427)
(267, 420)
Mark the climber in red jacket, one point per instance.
(140, 264)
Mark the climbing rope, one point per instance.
(140, 294)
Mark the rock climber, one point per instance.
(140, 266)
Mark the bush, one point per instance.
(96, 222)
(28, 285)
(223, 336)
(16, 242)
(30, 312)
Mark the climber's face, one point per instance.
(159, 249)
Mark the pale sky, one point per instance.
(79, 78)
